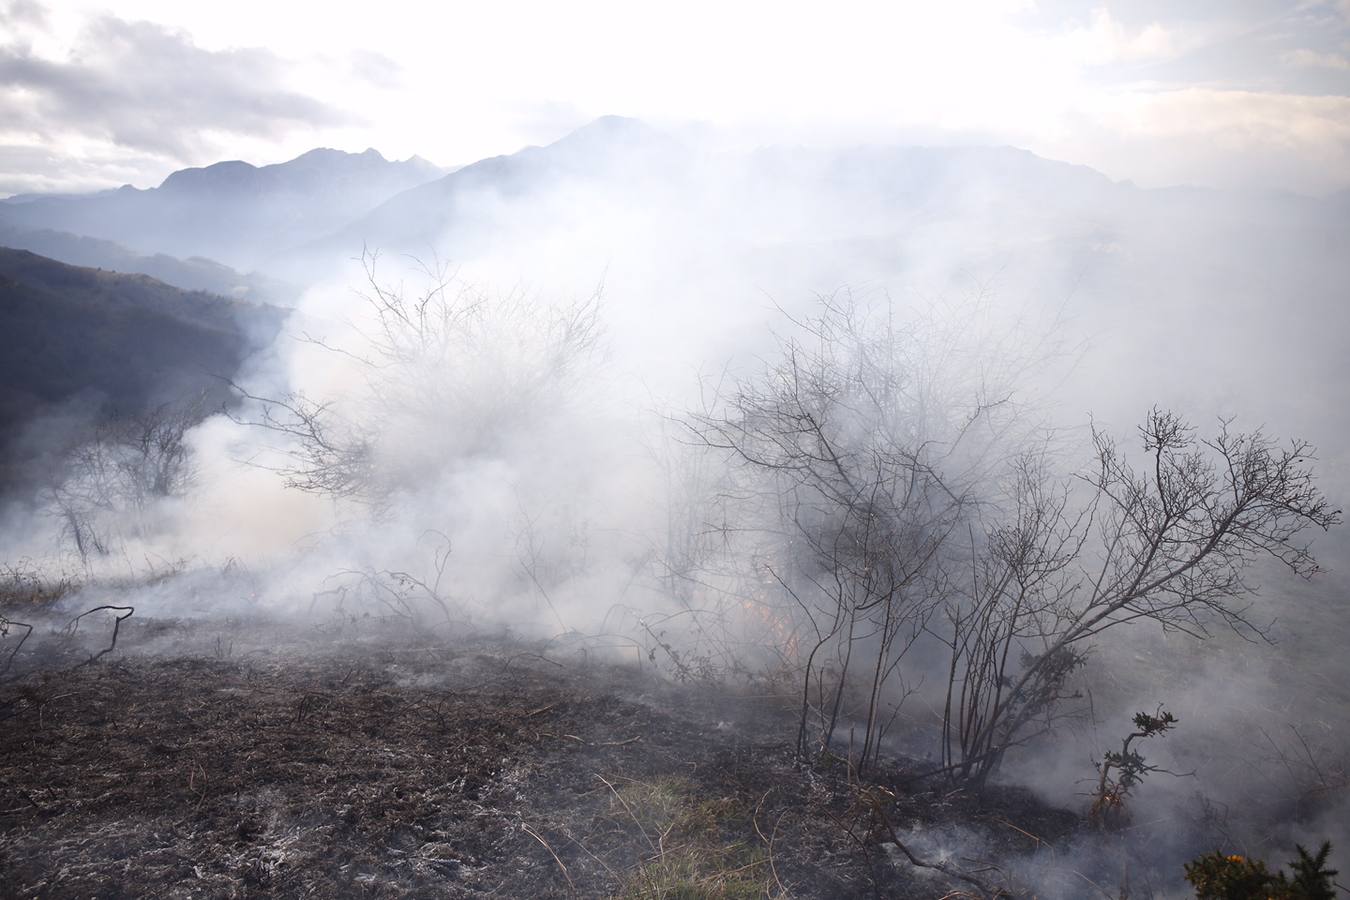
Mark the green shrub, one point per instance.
(1218, 877)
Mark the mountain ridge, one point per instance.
(231, 211)
(195, 273)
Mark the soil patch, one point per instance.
(316, 764)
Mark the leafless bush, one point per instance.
(861, 460)
(25, 587)
(895, 501)
(450, 371)
(1316, 778)
(113, 480)
(399, 593)
(1168, 543)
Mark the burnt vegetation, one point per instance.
(883, 583)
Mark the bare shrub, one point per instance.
(449, 372)
(1169, 541)
(112, 481)
(860, 458)
(894, 500)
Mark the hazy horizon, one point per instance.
(1253, 94)
(696, 131)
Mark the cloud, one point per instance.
(148, 88)
(1000, 71)
(24, 13)
(1107, 40)
(1313, 60)
(1217, 137)
(378, 69)
(38, 167)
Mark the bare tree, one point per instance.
(1170, 542)
(896, 499)
(112, 481)
(861, 461)
(460, 364)
(433, 382)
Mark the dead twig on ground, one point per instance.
(1040, 841)
(631, 740)
(23, 795)
(74, 624)
(875, 798)
(584, 849)
(196, 774)
(532, 833)
(768, 841)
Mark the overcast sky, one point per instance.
(1252, 93)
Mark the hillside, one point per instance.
(114, 343)
(194, 274)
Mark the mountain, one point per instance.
(609, 151)
(195, 274)
(1161, 280)
(231, 211)
(778, 194)
(111, 344)
(772, 194)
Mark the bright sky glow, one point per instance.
(1250, 94)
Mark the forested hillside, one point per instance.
(110, 344)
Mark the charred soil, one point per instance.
(200, 760)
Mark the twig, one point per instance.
(127, 612)
(1040, 841)
(629, 810)
(1105, 893)
(942, 867)
(631, 740)
(193, 770)
(532, 833)
(587, 851)
(768, 841)
(512, 660)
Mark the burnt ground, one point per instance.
(249, 759)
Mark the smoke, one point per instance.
(501, 441)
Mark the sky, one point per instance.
(1218, 93)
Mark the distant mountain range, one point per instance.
(1187, 272)
(778, 199)
(297, 219)
(231, 212)
(613, 150)
(293, 223)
